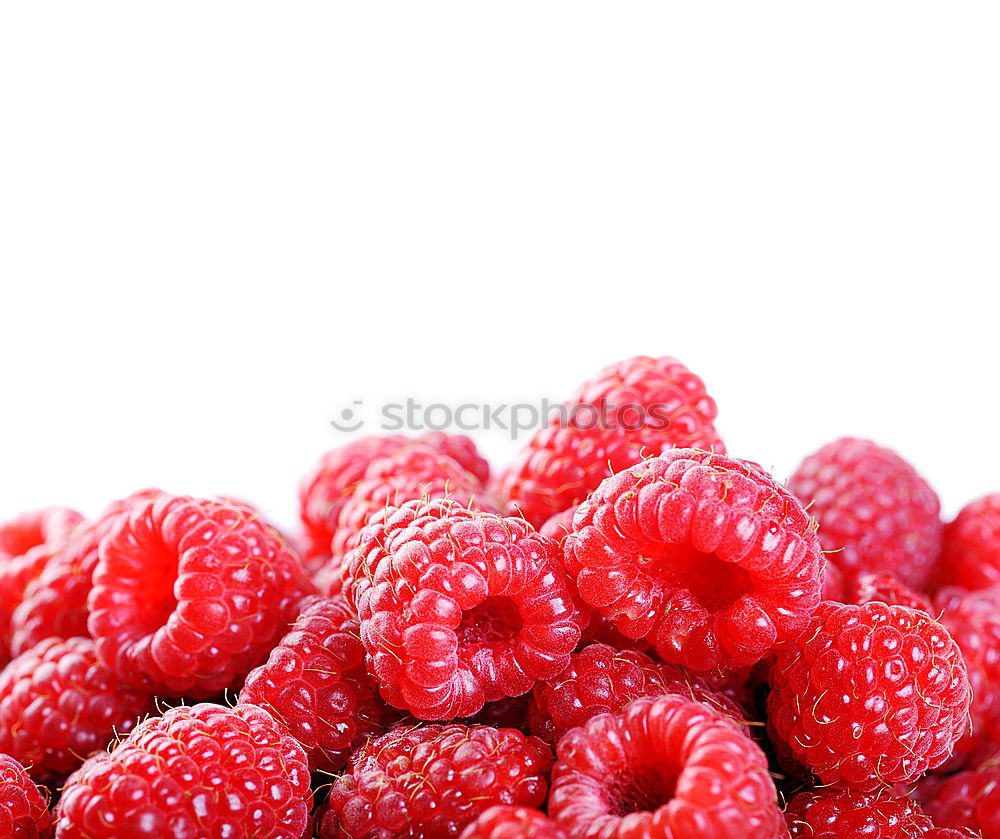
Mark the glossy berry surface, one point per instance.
(630, 410)
(707, 557)
(662, 768)
(505, 822)
(24, 811)
(842, 814)
(884, 588)
(968, 800)
(431, 781)
(970, 553)
(870, 695)
(200, 771)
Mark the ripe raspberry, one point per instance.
(459, 607)
(190, 594)
(704, 555)
(630, 410)
(196, 771)
(970, 553)
(969, 800)
(429, 782)
(502, 822)
(843, 814)
(665, 767)
(875, 512)
(884, 588)
(834, 584)
(327, 487)
(55, 603)
(24, 810)
(58, 704)
(315, 683)
(602, 680)
(870, 695)
(559, 526)
(973, 619)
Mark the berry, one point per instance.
(429, 782)
(875, 512)
(24, 809)
(190, 594)
(630, 410)
(559, 526)
(842, 814)
(970, 553)
(664, 767)
(706, 556)
(601, 680)
(196, 771)
(969, 800)
(315, 683)
(58, 704)
(503, 822)
(459, 608)
(884, 588)
(870, 695)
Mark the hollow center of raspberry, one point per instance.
(159, 576)
(643, 789)
(713, 583)
(495, 619)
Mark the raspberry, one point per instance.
(875, 512)
(870, 696)
(969, 800)
(559, 526)
(704, 555)
(315, 683)
(324, 491)
(503, 822)
(459, 608)
(648, 405)
(973, 619)
(58, 704)
(190, 594)
(843, 814)
(55, 603)
(601, 680)
(196, 771)
(429, 782)
(970, 553)
(24, 810)
(884, 588)
(665, 767)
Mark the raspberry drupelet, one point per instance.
(875, 512)
(459, 607)
(842, 814)
(706, 556)
(24, 810)
(884, 588)
(58, 704)
(196, 771)
(190, 594)
(870, 695)
(504, 822)
(663, 768)
(970, 552)
(431, 781)
(969, 801)
(315, 683)
(633, 409)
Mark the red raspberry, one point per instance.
(55, 604)
(969, 800)
(648, 405)
(602, 680)
(315, 683)
(190, 594)
(875, 512)
(196, 771)
(706, 556)
(459, 608)
(24, 809)
(970, 553)
(665, 767)
(884, 588)
(503, 822)
(58, 704)
(870, 696)
(843, 814)
(327, 487)
(429, 782)
(834, 584)
(973, 619)
(509, 712)
(559, 526)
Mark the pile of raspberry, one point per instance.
(628, 633)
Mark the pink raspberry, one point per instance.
(970, 553)
(24, 809)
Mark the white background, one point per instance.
(220, 224)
